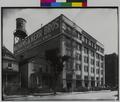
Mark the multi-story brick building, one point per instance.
(111, 69)
(84, 68)
(10, 70)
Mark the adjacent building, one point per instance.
(111, 70)
(86, 67)
(10, 70)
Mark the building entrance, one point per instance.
(69, 85)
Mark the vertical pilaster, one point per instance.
(63, 52)
(30, 71)
(95, 71)
(103, 70)
(100, 72)
(82, 66)
(73, 73)
(89, 69)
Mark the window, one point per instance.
(101, 79)
(92, 78)
(102, 50)
(80, 67)
(102, 72)
(64, 26)
(97, 63)
(80, 58)
(68, 65)
(77, 56)
(86, 68)
(85, 77)
(78, 77)
(77, 66)
(92, 53)
(80, 36)
(40, 70)
(92, 70)
(79, 47)
(97, 71)
(68, 43)
(75, 45)
(69, 29)
(97, 48)
(101, 58)
(97, 56)
(75, 33)
(86, 40)
(101, 65)
(92, 61)
(92, 44)
(85, 50)
(86, 59)
(97, 78)
(47, 68)
(9, 64)
(68, 52)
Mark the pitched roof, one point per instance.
(5, 51)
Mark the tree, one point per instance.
(56, 63)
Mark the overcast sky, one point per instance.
(99, 23)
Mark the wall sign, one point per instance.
(46, 32)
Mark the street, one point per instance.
(74, 96)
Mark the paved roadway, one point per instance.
(81, 96)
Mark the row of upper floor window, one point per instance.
(92, 61)
(93, 70)
(89, 78)
(79, 36)
(92, 53)
(78, 57)
(79, 66)
(93, 78)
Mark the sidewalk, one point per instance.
(48, 94)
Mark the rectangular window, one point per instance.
(97, 63)
(80, 67)
(101, 58)
(97, 56)
(92, 53)
(80, 36)
(86, 60)
(101, 65)
(9, 64)
(77, 66)
(75, 33)
(77, 56)
(92, 78)
(92, 61)
(80, 58)
(102, 72)
(85, 50)
(101, 79)
(79, 47)
(86, 40)
(86, 68)
(68, 43)
(97, 78)
(92, 69)
(85, 77)
(69, 29)
(97, 71)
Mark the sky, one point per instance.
(100, 23)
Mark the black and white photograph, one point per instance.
(60, 54)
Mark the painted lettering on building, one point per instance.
(46, 32)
